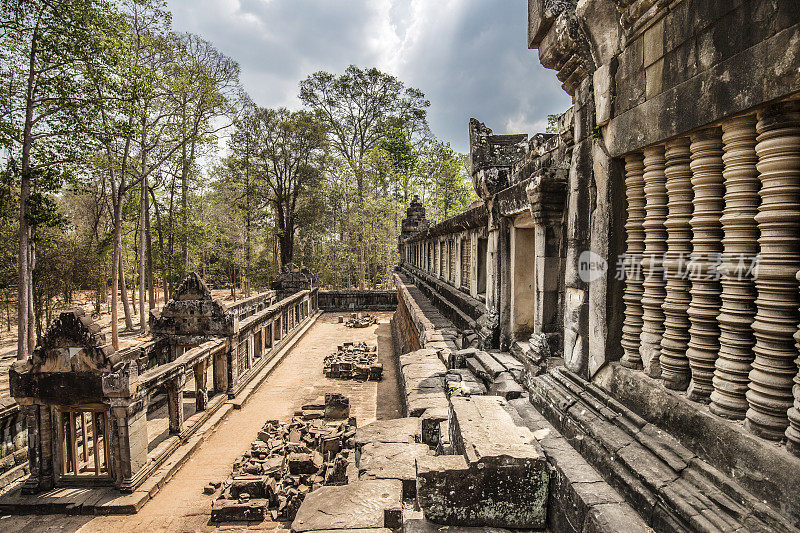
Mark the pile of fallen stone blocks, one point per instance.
(288, 462)
(499, 372)
(354, 360)
(358, 320)
(386, 452)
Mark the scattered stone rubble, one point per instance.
(288, 462)
(354, 360)
(359, 320)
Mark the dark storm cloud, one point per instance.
(468, 56)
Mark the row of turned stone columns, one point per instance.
(698, 316)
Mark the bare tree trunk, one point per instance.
(124, 290)
(184, 212)
(23, 280)
(143, 253)
(31, 312)
(115, 273)
(148, 235)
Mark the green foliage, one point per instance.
(552, 123)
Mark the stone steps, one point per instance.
(669, 486)
(580, 500)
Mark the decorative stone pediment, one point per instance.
(493, 157)
(192, 312)
(73, 343)
(292, 279)
(192, 288)
(547, 193)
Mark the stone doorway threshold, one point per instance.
(110, 501)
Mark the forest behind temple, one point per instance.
(132, 155)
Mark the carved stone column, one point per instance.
(200, 384)
(793, 431)
(770, 390)
(128, 441)
(708, 190)
(740, 247)
(632, 327)
(655, 244)
(175, 404)
(674, 363)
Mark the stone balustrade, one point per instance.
(713, 253)
(127, 408)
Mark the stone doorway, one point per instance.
(523, 278)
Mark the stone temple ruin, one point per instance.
(114, 417)
(608, 341)
(642, 264)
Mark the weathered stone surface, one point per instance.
(354, 506)
(506, 387)
(359, 530)
(415, 522)
(509, 362)
(337, 406)
(458, 359)
(402, 430)
(463, 382)
(392, 460)
(499, 477)
(489, 364)
(419, 403)
(236, 511)
(431, 421)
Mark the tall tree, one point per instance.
(53, 42)
(358, 108)
(292, 156)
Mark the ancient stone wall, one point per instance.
(691, 104)
(358, 300)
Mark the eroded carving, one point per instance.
(770, 390)
(655, 244)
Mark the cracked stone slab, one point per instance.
(392, 461)
(406, 430)
(358, 505)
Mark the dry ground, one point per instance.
(181, 505)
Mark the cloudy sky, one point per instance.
(469, 57)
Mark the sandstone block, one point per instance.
(392, 461)
(357, 505)
(235, 511)
(499, 477)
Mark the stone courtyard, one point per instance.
(181, 504)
